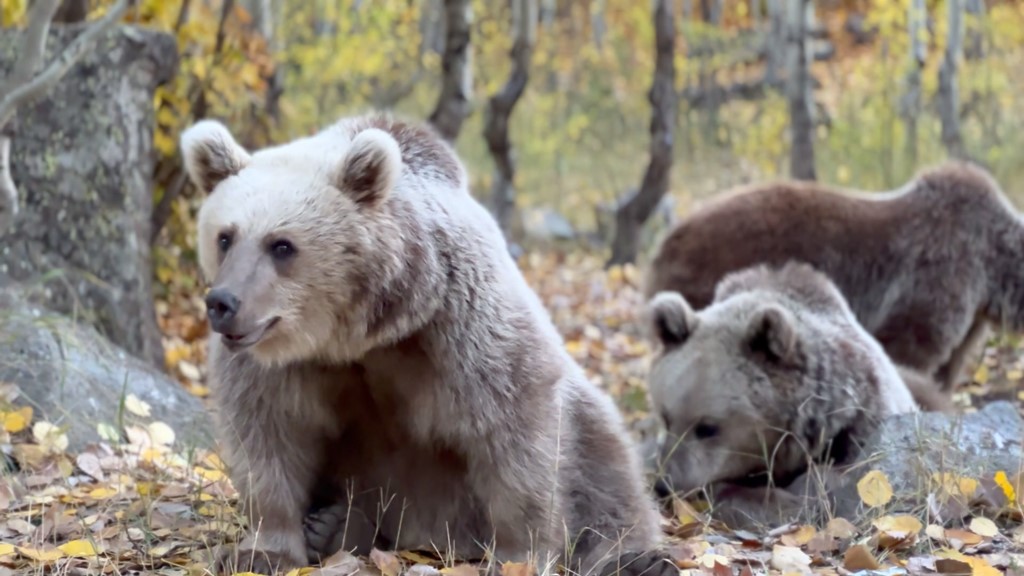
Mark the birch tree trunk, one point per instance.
(916, 30)
(974, 39)
(799, 15)
(453, 104)
(948, 95)
(775, 44)
(499, 110)
(266, 18)
(634, 211)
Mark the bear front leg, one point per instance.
(519, 491)
(274, 471)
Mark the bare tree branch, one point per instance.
(631, 214)
(499, 110)
(24, 85)
(453, 104)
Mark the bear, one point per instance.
(375, 348)
(774, 376)
(928, 267)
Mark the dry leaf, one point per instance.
(50, 437)
(790, 559)
(952, 566)
(16, 420)
(90, 464)
(984, 527)
(841, 528)
(935, 532)
(386, 562)
(6, 549)
(1004, 483)
(40, 555)
(859, 557)
(799, 537)
(78, 548)
(161, 433)
(963, 536)
(460, 570)
(136, 406)
(874, 489)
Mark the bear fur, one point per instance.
(775, 375)
(927, 268)
(377, 351)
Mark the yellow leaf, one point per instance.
(136, 406)
(78, 548)
(981, 376)
(1014, 375)
(6, 549)
(902, 523)
(874, 489)
(984, 527)
(300, 571)
(17, 420)
(209, 475)
(1004, 483)
(41, 555)
(102, 493)
(935, 532)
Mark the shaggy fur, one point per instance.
(774, 375)
(925, 267)
(388, 365)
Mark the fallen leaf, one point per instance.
(1004, 483)
(790, 559)
(841, 528)
(108, 432)
(859, 557)
(517, 569)
(963, 536)
(136, 406)
(459, 570)
(874, 489)
(952, 566)
(984, 527)
(40, 555)
(50, 437)
(900, 524)
(800, 537)
(386, 562)
(160, 433)
(16, 420)
(78, 548)
(981, 375)
(90, 464)
(935, 532)
(6, 549)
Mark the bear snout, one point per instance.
(221, 308)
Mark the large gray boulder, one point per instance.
(82, 158)
(72, 376)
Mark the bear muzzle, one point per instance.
(222, 309)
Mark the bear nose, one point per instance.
(221, 307)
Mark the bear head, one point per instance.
(763, 381)
(288, 235)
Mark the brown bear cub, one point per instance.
(924, 267)
(774, 375)
(383, 374)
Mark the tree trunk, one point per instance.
(775, 44)
(631, 214)
(499, 110)
(71, 12)
(453, 104)
(265, 17)
(916, 22)
(799, 15)
(83, 157)
(948, 95)
(432, 27)
(974, 39)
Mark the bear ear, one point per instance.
(772, 333)
(211, 154)
(371, 167)
(670, 318)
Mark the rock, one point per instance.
(72, 376)
(82, 158)
(910, 448)
(546, 224)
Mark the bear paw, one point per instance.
(647, 563)
(329, 529)
(267, 562)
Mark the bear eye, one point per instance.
(703, 431)
(224, 241)
(282, 249)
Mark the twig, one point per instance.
(60, 66)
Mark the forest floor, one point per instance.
(151, 506)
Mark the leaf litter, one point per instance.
(137, 501)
